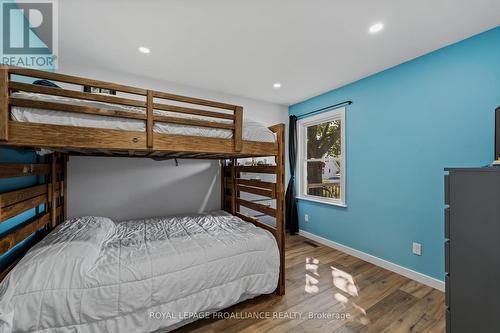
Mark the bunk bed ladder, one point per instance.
(232, 186)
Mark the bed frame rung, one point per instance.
(17, 235)
(34, 73)
(12, 197)
(256, 222)
(20, 207)
(9, 170)
(18, 86)
(257, 191)
(256, 183)
(271, 169)
(64, 107)
(257, 207)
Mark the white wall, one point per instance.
(122, 188)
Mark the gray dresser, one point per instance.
(472, 250)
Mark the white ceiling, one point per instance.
(243, 47)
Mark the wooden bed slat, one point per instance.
(195, 144)
(22, 206)
(186, 110)
(257, 183)
(9, 170)
(20, 233)
(257, 168)
(76, 80)
(193, 100)
(257, 191)
(37, 104)
(192, 122)
(256, 148)
(256, 222)
(158, 155)
(257, 207)
(45, 135)
(75, 94)
(12, 197)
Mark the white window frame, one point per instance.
(302, 124)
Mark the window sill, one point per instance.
(331, 203)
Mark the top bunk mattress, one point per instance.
(252, 130)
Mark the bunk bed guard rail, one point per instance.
(146, 105)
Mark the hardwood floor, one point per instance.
(324, 281)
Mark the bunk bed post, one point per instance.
(238, 128)
(46, 182)
(280, 203)
(52, 192)
(149, 119)
(64, 185)
(233, 186)
(222, 184)
(4, 103)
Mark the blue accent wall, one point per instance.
(406, 124)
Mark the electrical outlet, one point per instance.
(417, 249)
(306, 217)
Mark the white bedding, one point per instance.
(91, 275)
(252, 131)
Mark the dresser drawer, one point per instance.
(446, 189)
(447, 256)
(447, 223)
(447, 289)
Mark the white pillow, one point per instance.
(77, 238)
(92, 229)
(66, 255)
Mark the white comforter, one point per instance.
(91, 275)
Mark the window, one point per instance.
(321, 157)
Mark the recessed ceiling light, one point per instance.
(277, 85)
(144, 50)
(377, 27)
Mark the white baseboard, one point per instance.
(411, 274)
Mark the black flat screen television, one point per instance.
(497, 133)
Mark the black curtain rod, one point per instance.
(325, 108)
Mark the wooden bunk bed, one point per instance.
(48, 196)
(102, 141)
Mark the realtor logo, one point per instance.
(29, 33)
